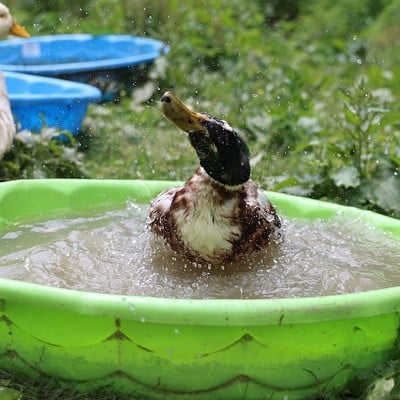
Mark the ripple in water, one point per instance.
(113, 252)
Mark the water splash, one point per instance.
(113, 252)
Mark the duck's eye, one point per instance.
(166, 99)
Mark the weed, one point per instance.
(43, 155)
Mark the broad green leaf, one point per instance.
(392, 117)
(9, 394)
(351, 115)
(285, 183)
(347, 177)
(385, 193)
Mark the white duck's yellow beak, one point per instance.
(18, 30)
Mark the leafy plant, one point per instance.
(42, 156)
(358, 163)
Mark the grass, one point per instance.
(129, 146)
(13, 387)
(312, 86)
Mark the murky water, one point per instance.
(113, 252)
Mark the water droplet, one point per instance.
(176, 331)
(270, 218)
(12, 235)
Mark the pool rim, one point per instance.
(82, 91)
(158, 48)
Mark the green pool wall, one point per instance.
(186, 349)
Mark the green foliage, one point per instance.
(63, 16)
(286, 74)
(283, 73)
(357, 164)
(384, 35)
(41, 156)
(329, 18)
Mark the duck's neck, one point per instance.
(203, 181)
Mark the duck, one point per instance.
(219, 214)
(7, 126)
(8, 25)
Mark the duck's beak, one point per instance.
(180, 115)
(18, 30)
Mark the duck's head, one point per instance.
(8, 26)
(222, 153)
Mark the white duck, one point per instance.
(7, 126)
(8, 26)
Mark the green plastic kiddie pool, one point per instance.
(158, 348)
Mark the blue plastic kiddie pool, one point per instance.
(110, 62)
(38, 101)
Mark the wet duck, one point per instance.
(219, 214)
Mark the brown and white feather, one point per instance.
(211, 223)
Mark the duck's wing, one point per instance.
(158, 219)
(267, 209)
(260, 222)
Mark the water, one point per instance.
(113, 252)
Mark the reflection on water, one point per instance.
(113, 252)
